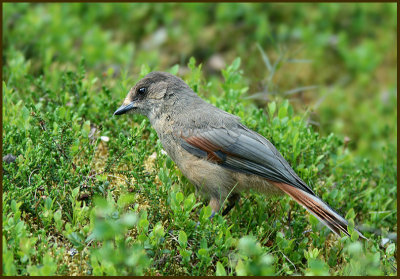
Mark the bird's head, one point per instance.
(152, 92)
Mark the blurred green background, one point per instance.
(337, 60)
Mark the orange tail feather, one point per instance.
(318, 208)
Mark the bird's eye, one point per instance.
(142, 90)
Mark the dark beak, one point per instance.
(124, 109)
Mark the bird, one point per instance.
(219, 155)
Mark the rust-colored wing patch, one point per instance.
(206, 146)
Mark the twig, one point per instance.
(289, 260)
(31, 175)
(174, 238)
(299, 89)
(265, 58)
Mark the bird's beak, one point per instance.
(124, 109)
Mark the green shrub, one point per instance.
(93, 194)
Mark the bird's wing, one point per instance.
(242, 150)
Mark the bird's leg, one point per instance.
(232, 200)
(215, 206)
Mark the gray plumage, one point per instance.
(216, 152)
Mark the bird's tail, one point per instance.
(318, 208)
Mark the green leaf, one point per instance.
(220, 271)
(249, 246)
(129, 219)
(205, 213)
(350, 226)
(76, 239)
(391, 249)
(271, 109)
(182, 239)
(189, 202)
(75, 192)
(192, 63)
(174, 69)
(25, 116)
(14, 207)
(125, 200)
(144, 70)
(179, 197)
(355, 248)
(143, 224)
(236, 64)
(86, 129)
(203, 252)
(240, 268)
(282, 112)
(48, 203)
(354, 235)
(159, 230)
(350, 214)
